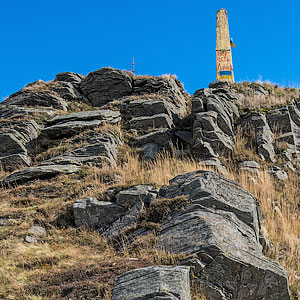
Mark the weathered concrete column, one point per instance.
(223, 48)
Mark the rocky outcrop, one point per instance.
(215, 112)
(228, 263)
(108, 84)
(120, 212)
(152, 120)
(157, 282)
(15, 139)
(215, 191)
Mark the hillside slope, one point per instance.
(112, 172)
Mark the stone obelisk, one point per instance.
(223, 48)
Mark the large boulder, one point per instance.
(106, 84)
(156, 282)
(228, 263)
(212, 190)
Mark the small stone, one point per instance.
(37, 231)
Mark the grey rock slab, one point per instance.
(95, 213)
(25, 131)
(152, 122)
(67, 129)
(145, 107)
(96, 155)
(105, 85)
(106, 115)
(36, 98)
(156, 282)
(139, 193)
(216, 191)
(233, 259)
(40, 172)
(280, 120)
(249, 166)
(67, 91)
(218, 84)
(203, 150)
(161, 137)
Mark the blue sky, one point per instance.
(42, 38)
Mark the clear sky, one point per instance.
(42, 38)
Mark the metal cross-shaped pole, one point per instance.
(133, 64)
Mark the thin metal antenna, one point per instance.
(133, 64)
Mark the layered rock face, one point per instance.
(15, 139)
(215, 113)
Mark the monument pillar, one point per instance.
(223, 48)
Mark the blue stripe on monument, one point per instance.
(225, 73)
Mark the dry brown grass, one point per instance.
(276, 96)
(79, 261)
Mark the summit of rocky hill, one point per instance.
(122, 186)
